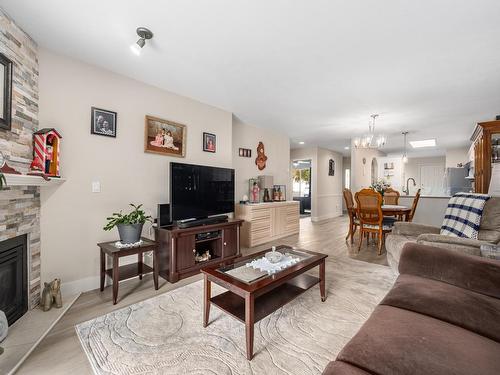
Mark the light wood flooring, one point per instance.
(60, 352)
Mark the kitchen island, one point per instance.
(430, 208)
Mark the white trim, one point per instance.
(25, 180)
(80, 286)
(326, 217)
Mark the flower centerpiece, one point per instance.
(380, 186)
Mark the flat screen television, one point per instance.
(198, 191)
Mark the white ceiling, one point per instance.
(313, 69)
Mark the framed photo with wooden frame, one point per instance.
(164, 137)
(209, 142)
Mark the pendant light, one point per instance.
(405, 156)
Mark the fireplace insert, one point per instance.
(14, 277)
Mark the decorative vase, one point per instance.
(130, 233)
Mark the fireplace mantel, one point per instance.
(25, 180)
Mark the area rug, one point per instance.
(164, 335)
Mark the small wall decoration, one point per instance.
(165, 137)
(331, 167)
(209, 142)
(245, 152)
(389, 165)
(47, 143)
(103, 122)
(5, 92)
(261, 159)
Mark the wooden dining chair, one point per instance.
(409, 217)
(370, 216)
(351, 211)
(391, 196)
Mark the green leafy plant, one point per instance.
(136, 216)
(3, 181)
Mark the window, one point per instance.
(347, 177)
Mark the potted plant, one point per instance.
(380, 186)
(129, 225)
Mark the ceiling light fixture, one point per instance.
(346, 148)
(424, 143)
(144, 34)
(370, 140)
(301, 142)
(405, 155)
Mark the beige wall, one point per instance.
(455, 156)
(361, 173)
(72, 216)
(277, 150)
(326, 191)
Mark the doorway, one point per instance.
(301, 185)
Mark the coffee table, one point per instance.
(253, 294)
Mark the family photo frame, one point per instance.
(209, 142)
(164, 137)
(103, 122)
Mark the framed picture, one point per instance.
(209, 142)
(245, 152)
(5, 92)
(164, 137)
(331, 167)
(103, 122)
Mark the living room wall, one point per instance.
(72, 216)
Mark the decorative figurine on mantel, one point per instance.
(51, 295)
(47, 143)
(255, 192)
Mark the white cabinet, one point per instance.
(264, 222)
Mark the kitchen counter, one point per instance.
(425, 196)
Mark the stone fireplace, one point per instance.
(20, 205)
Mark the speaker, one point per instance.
(163, 215)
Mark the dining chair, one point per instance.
(409, 217)
(391, 196)
(370, 216)
(351, 211)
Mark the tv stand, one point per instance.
(189, 223)
(180, 249)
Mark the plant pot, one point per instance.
(130, 233)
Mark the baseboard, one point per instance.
(326, 217)
(80, 286)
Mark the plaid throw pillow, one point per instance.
(463, 215)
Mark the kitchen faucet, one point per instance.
(407, 191)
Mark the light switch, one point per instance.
(96, 187)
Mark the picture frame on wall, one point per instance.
(245, 152)
(209, 142)
(331, 167)
(164, 137)
(6, 92)
(103, 122)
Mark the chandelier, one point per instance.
(370, 140)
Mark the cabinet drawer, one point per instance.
(258, 213)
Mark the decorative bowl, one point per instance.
(274, 256)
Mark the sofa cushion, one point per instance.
(394, 245)
(338, 367)
(490, 221)
(462, 307)
(398, 341)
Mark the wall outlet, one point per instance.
(96, 187)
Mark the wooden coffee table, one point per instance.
(249, 300)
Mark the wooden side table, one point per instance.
(118, 273)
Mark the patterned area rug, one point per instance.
(164, 335)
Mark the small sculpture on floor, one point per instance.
(203, 257)
(51, 295)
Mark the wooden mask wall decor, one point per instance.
(260, 161)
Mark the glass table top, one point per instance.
(258, 267)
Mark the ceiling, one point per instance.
(315, 70)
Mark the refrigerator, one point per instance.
(455, 181)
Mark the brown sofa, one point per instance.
(402, 233)
(442, 316)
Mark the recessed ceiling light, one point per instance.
(424, 143)
(346, 148)
(301, 142)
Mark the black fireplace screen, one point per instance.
(13, 277)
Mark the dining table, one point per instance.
(396, 210)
